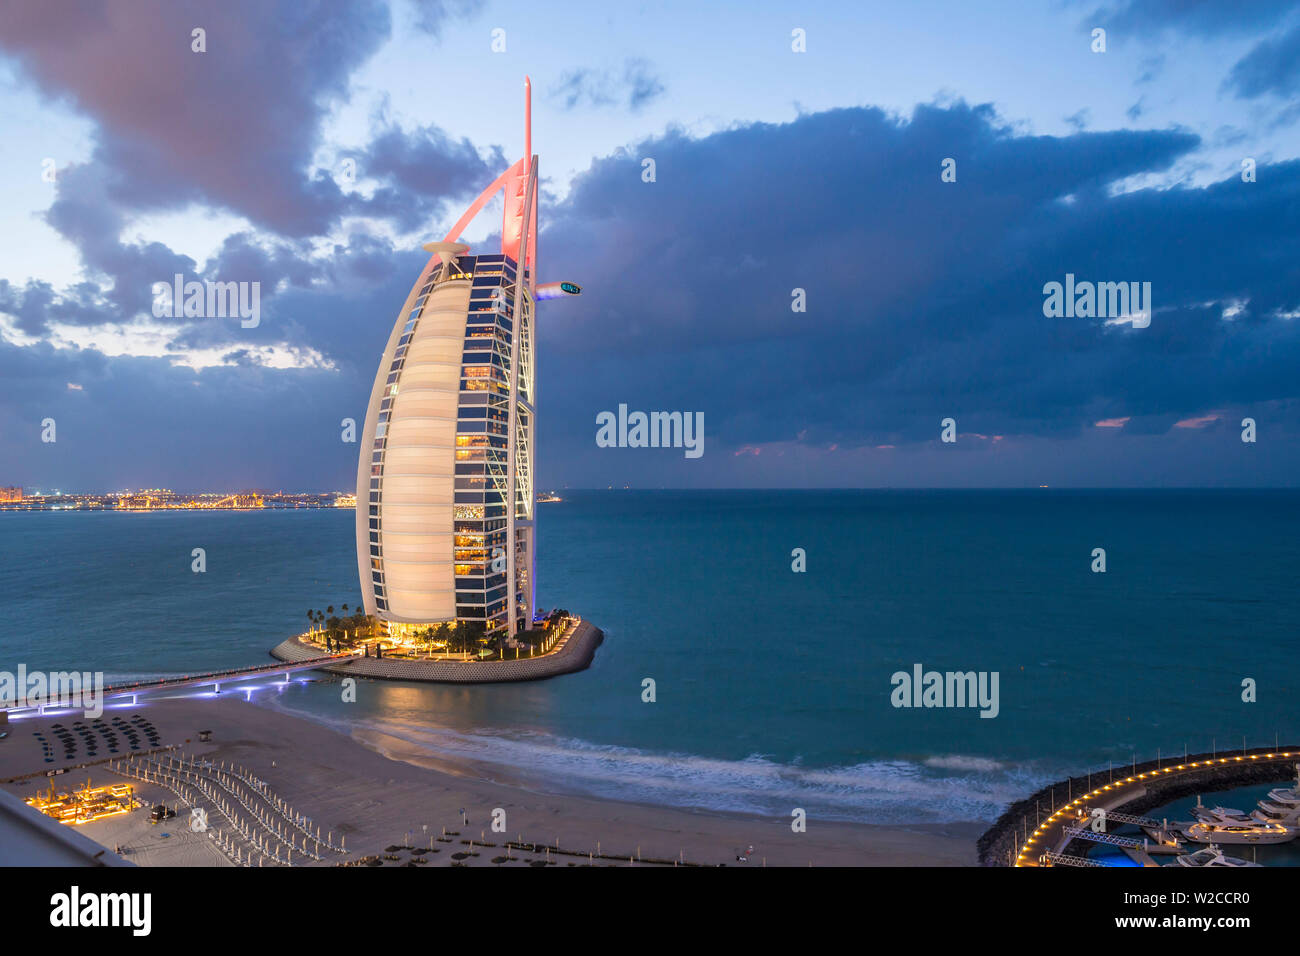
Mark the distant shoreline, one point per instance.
(174, 510)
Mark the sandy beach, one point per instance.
(375, 791)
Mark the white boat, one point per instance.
(1210, 856)
(1221, 825)
(1282, 806)
(1226, 825)
(1222, 816)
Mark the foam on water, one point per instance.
(879, 791)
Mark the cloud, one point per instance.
(635, 87)
(1152, 67)
(1206, 18)
(235, 127)
(1272, 66)
(422, 168)
(924, 298)
(924, 302)
(431, 15)
(142, 422)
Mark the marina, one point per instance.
(1060, 834)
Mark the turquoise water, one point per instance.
(773, 688)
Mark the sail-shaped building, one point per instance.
(446, 529)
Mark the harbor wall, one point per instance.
(999, 844)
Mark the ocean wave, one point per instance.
(942, 789)
(963, 762)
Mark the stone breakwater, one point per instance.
(576, 654)
(999, 844)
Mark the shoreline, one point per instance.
(375, 789)
(663, 779)
(401, 751)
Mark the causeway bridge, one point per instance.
(213, 679)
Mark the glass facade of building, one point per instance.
(438, 494)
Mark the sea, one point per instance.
(773, 688)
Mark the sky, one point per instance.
(313, 147)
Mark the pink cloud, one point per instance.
(1112, 422)
(1198, 422)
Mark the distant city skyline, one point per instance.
(166, 499)
(844, 239)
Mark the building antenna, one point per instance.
(528, 119)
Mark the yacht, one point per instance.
(1210, 856)
(1221, 816)
(1282, 806)
(1225, 825)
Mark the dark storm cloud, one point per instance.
(924, 298)
(924, 301)
(137, 420)
(421, 167)
(234, 127)
(85, 215)
(140, 422)
(631, 89)
(345, 314)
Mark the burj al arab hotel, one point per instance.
(446, 530)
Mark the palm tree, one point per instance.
(442, 635)
(467, 635)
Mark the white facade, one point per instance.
(445, 502)
(437, 466)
